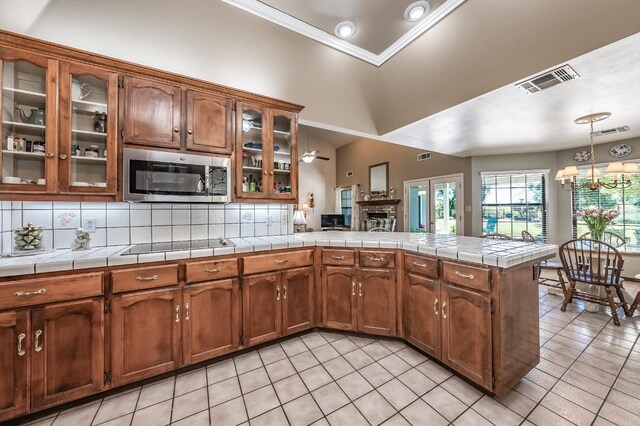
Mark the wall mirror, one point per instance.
(379, 179)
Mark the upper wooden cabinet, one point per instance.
(266, 153)
(152, 113)
(166, 116)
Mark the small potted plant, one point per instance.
(597, 220)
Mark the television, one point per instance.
(332, 221)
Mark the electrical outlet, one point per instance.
(89, 224)
(269, 220)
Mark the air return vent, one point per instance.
(612, 131)
(424, 156)
(548, 79)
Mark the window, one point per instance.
(513, 202)
(345, 205)
(625, 200)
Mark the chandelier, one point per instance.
(615, 169)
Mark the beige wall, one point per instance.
(403, 165)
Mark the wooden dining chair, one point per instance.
(527, 237)
(498, 236)
(592, 262)
(609, 237)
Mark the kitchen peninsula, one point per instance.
(470, 303)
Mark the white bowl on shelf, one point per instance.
(42, 182)
(11, 179)
(100, 184)
(79, 184)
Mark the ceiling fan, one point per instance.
(308, 156)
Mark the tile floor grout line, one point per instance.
(280, 405)
(206, 378)
(237, 377)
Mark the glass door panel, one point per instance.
(254, 158)
(282, 154)
(445, 202)
(417, 206)
(24, 104)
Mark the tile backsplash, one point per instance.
(132, 223)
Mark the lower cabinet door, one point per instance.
(211, 320)
(146, 333)
(67, 351)
(422, 313)
(466, 333)
(262, 308)
(377, 301)
(14, 361)
(297, 300)
(339, 307)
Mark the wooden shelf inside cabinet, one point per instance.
(90, 135)
(259, 150)
(26, 97)
(282, 171)
(22, 153)
(89, 104)
(23, 125)
(81, 159)
(277, 132)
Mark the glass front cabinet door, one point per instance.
(88, 152)
(29, 130)
(283, 146)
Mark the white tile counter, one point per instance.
(493, 252)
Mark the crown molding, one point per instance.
(271, 14)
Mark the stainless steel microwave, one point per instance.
(160, 176)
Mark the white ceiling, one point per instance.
(507, 120)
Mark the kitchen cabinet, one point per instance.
(152, 113)
(211, 320)
(267, 153)
(209, 123)
(68, 352)
(88, 151)
(146, 334)
(14, 363)
(466, 333)
(339, 303)
(422, 313)
(377, 301)
(262, 310)
(297, 300)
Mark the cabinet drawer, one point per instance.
(143, 278)
(212, 270)
(45, 290)
(338, 257)
(467, 276)
(277, 261)
(425, 266)
(377, 259)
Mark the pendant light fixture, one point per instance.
(615, 169)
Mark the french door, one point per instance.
(434, 205)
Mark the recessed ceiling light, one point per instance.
(345, 29)
(416, 11)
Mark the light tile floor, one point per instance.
(589, 374)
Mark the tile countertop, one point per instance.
(491, 252)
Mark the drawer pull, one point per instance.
(186, 312)
(150, 278)
(284, 289)
(376, 259)
(177, 313)
(211, 271)
(444, 313)
(337, 257)
(360, 289)
(353, 288)
(277, 292)
(468, 276)
(36, 344)
(30, 293)
(280, 262)
(21, 337)
(420, 265)
(435, 307)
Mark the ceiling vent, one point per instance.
(548, 79)
(612, 131)
(424, 156)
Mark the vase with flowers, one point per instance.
(597, 220)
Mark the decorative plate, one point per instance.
(620, 150)
(582, 156)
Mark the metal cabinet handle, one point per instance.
(30, 293)
(186, 312)
(266, 172)
(211, 271)
(337, 257)
(50, 155)
(21, 337)
(469, 276)
(36, 344)
(376, 259)
(421, 265)
(177, 313)
(435, 307)
(359, 289)
(353, 288)
(176, 129)
(277, 292)
(284, 289)
(270, 173)
(444, 305)
(190, 131)
(63, 156)
(280, 262)
(150, 278)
